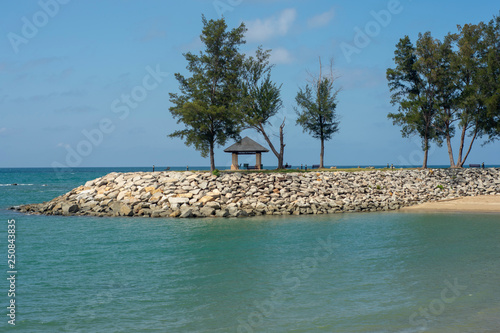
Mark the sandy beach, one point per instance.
(479, 204)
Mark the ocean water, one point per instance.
(380, 272)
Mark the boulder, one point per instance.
(206, 199)
(207, 211)
(175, 213)
(177, 200)
(188, 195)
(70, 208)
(222, 213)
(213, 204)
(186, 213)
(125, 210)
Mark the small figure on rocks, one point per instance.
(153, 168)
(482, 165)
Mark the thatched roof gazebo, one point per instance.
(246, 146)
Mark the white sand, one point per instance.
(479, 204)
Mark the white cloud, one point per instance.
(281, 56)
(261, 30)
(321, 20)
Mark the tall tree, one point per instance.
(414, 86)
(468, 64)
(490, 85)
(471, 83)
(208, 103)
(447, 94)
(449, 87)
(316, 105)
(262, 99)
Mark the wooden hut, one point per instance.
(246, 146)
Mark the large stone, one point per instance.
(185, 195)
(115, 206)
(70, 208)
(214, 194)
(112, 195)
(186, 213)
(177, 200)
(125, 210)
(213, 204)
(207, 211)
(222, 213)
(260, 206)
(233, 210)
(123, 194)
(206, 199)
(175, 213)
(156, 197)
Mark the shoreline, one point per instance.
(200, 194)
(478, 204)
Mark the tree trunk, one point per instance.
(279, 156)
(322, 154)
(282, 147)
(212, 157)
(468, 151)
(461, 148)
(450, 150)
(426, 152)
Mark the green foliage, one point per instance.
(449, 86)
(316, 110)
(441, 187)
(414, 88)
(216, 173)
(208, 104)
(490, 84)
(262, 97)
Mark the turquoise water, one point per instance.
(382, 272)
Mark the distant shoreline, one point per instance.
(159, 168)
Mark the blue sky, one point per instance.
(86, 83)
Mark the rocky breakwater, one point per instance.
(200, 194)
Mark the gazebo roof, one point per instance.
(246, 146)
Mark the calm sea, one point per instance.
(380, 272)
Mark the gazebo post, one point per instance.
(235, 165)
(258, 160)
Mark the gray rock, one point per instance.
(70, 208)
(207, 211)
(186, 213)
(125, 210)
(175, 200)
